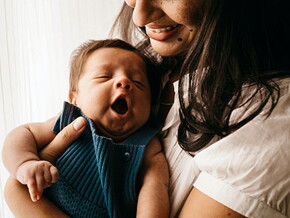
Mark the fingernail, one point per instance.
(79, 123)
(35, 198)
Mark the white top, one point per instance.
(248, 171)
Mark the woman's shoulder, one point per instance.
(263, 139)
(253, 162)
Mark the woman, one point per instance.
(226, 136)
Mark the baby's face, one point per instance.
(114, 92)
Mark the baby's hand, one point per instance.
(37, 175)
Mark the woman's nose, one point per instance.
(124, 83)
(145, 11)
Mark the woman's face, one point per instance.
(170, 24)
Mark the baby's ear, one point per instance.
(72, 98)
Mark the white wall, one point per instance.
(36, 40)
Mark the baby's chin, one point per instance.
(117, 135)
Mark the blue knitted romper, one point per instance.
(97, 177)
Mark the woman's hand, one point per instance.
(63, 140)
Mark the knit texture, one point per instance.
(97, 177)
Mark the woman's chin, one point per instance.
(168, 49)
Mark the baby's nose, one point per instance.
(123, 83)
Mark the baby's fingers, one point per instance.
(33, 190)
(54, 174)
(51, 175)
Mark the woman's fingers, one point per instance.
(62, 140)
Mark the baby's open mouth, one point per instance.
(120, 106)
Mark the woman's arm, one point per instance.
(199, 205)
(19, 202)
(153, 199)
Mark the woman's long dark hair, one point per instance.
(239, 48)
(125, 29)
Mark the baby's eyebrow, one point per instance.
(104, 66)
(139, 71)
(139, 75)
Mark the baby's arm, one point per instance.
(153, 200)
(20, 156)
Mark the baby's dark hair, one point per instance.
(81, 54)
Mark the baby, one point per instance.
(116, 168)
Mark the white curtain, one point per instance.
(36, 40)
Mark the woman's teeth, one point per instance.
(166, 29)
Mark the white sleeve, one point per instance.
(249, 170)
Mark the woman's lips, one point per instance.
(161, 33)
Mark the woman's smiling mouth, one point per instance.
(161, 33)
